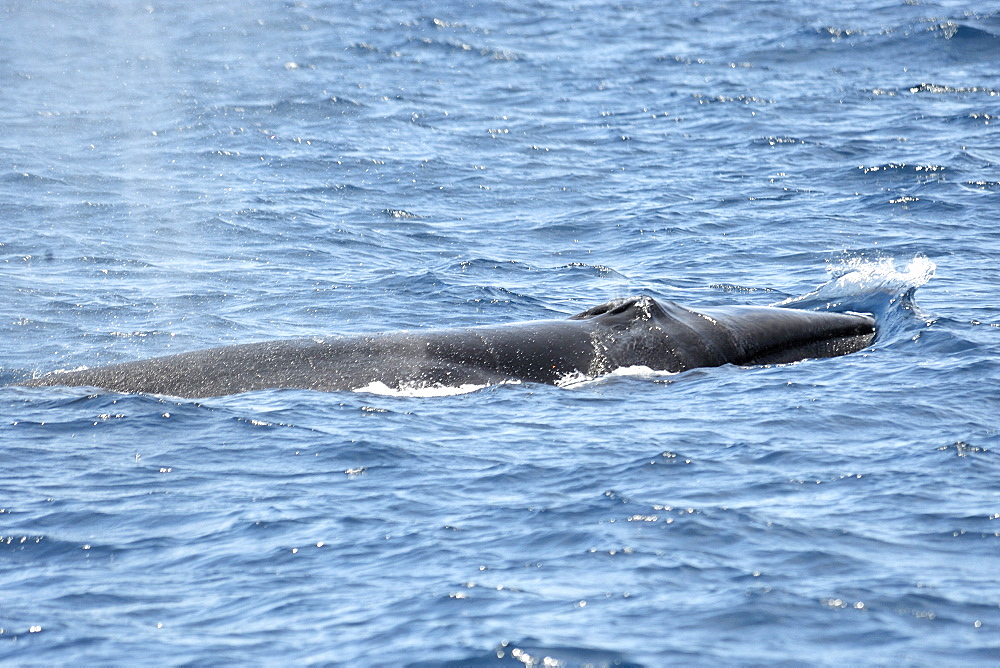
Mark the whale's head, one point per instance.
(664, 335)
(771, 335)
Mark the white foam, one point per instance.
(56, 372)
(578, 379)
(436, 390)
(575, 378)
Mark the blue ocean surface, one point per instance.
(184, 175)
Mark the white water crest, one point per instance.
(861, 276)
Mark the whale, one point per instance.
(635, 331)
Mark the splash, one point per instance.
(859, 280)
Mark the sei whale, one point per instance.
(636, 331)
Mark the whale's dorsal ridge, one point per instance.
(641, 307)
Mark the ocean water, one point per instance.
(184, 175)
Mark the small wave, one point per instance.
(26, 177)
(486, 265)
(834, 33)
(984, 185)
(530, 652)
(773, 140)
(400, 214)
(364, 48)
(465, 48)
(599, 270)
(937, 89)
(732, 287)
(741, 99)
(921, 171)
(966, 34)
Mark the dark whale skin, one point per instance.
(636, 331)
